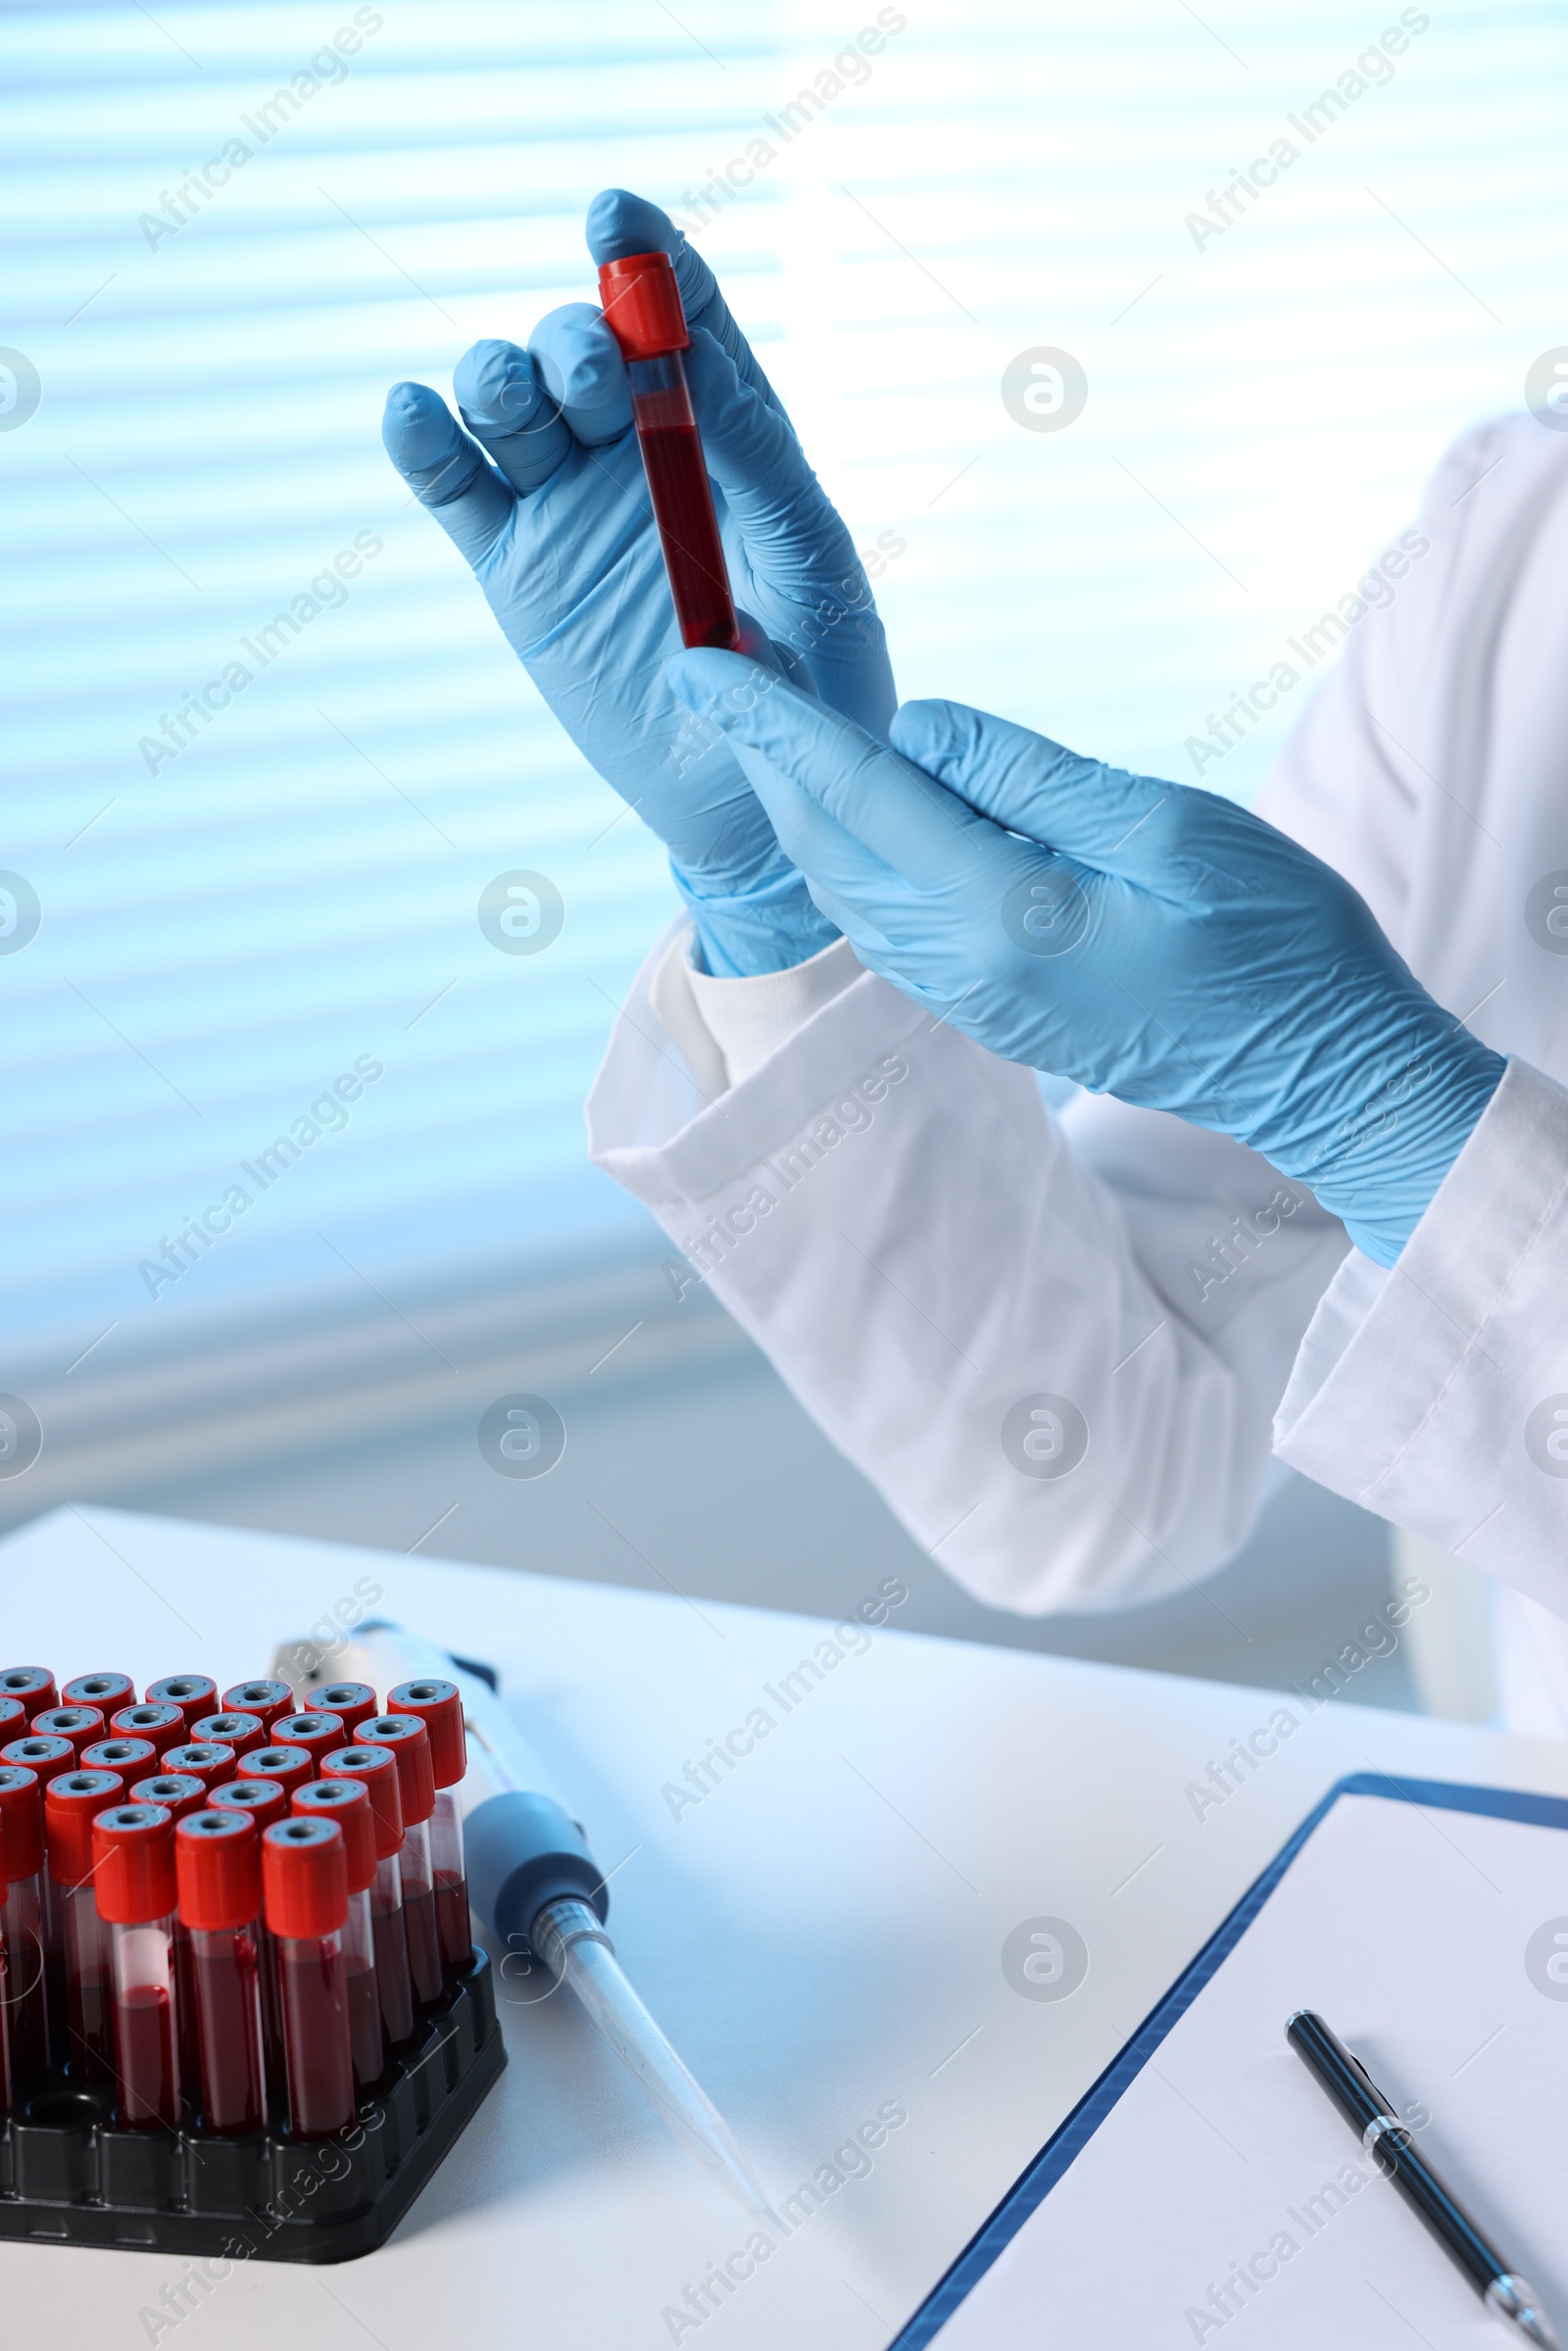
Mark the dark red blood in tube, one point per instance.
(643, 310)
(217, 1856)
(305, 1881)
(134, 1875)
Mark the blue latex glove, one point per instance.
(1149, 939)
(549, 503)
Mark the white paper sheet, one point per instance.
(1407, 1928)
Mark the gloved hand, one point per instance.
(1150, 940)
(555, 522)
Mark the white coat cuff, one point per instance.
(748, 1019)
(1405, 1395)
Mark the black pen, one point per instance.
(1388, 2142)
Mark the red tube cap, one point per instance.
(241, 1732)
(195, 1695)
(41, 1756)
(353, 1702)
(130, 1757)
(13, 1718)
(317, 1733)
(82, 1725)
(20, 1821)
(305, 1878)
(206, 1759)
(71, 1804)
(33, 1685)
(134, 1863)
(178, 1792)
(163, 1724)
(377, 1769)
(217, 1866)
(263, 1699)
(642, 305)
(347, 1801)
(290, 1767)
(106, 1691)
(410, 1742)
(266, 1800)
(439, 1707)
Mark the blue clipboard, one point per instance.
(1067, 2142)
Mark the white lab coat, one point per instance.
(922, 1249)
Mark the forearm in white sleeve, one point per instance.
(1437, 1392)
(1061, 1384)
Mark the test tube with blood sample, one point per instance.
(347, 1802)
(47, 1753)
(409, 1742)
(306, 1893)
(133, 1861)
(71, 1801)
(266, 1800)
(195, 1695)
(376, 1769)
(26, 1999)
(217, 1867)
(266, 1700)
(438, 1704)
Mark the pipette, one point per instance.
(534, 1883)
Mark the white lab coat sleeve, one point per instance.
(1437, 1392)
(1061, 1380)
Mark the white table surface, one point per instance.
(821, 1937)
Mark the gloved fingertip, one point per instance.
(579, 361)
(417, 430)
(497, 388)
(932, 729)
(619, 223)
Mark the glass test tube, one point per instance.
(26, 1996)
(46, 1754)
(438, 1704)
(410, 1742)
(71, 1801)
(133, 1862)
(217, 1865)
(305, 1889)
(376, 1769)
(347, 1802)
(643, 311)
(265, 1799)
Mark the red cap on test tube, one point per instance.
(305, 1880)
(20, 1821)
(266, 1700)
(353, 1702)
(130, 1757)
(43, 1756)
(290, 1767)
(163, 1724)
(13, 1718)
(376, 1769)
(642, 304)
(178, 1792)
(195, 1695)
(348, 1802)
(82, 1725)
(439, 1707)
(205, 1759)
(32, 1684)
(241, 1732)
(134, 1863)
(317, 1733)
(410, 1742)
(217, 1865)
(106, 1691)
(71, 1804)
(266, 1800)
